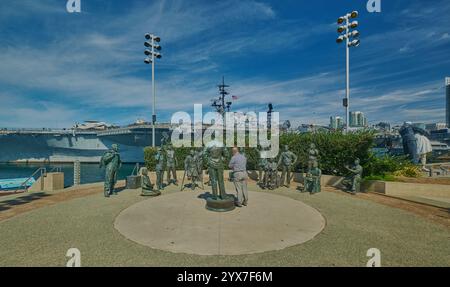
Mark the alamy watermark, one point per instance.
(230, 129)
(375, 257)
(74, 255)
(73, 6)
(374, 6)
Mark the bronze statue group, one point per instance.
(214, 155)
(269, 178)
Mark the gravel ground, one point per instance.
(42, 236)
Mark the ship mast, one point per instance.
(219, 104)
(269, 115)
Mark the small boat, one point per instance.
(16, 183)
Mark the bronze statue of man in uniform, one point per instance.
(199, 162)
(171, 164)
(215, 154)
(287, 160)
(191, 168)
(353, 181)
(111, 161)
(262, 162)
(313, 154)
(312, 180)
(159, 169)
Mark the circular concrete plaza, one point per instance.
(180, 223)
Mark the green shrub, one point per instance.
(387, 177)
(150, 152)
(409, 171)
(390, 166)
(336, 150)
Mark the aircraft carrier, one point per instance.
(85, 143)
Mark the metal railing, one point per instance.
(135, 169)
(41, 170)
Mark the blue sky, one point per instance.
(58, 68)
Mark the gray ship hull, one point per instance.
(69, 146)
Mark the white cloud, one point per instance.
(99, 65)
(445, 36)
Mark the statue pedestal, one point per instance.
(150, 192)
(133, 182)
(220, 205)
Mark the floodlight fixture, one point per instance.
(341, 29)
(351, 39)
(354, 43)
(341, 39)
(354, 34)
(151, 55)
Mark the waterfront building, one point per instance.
(419, 125)
(383, 126)
(435, 126)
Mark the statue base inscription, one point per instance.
(219, 204)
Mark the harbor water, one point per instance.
(90, 172)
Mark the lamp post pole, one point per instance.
(152, 55)
(154, 93)
(347, 90)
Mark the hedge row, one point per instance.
(336, 150)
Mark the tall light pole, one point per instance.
(151, 55)
(351, 40)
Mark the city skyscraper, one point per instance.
(447, 98)
(336, 122)
(357, 119)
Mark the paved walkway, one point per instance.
(42, 235)
(179, 223)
